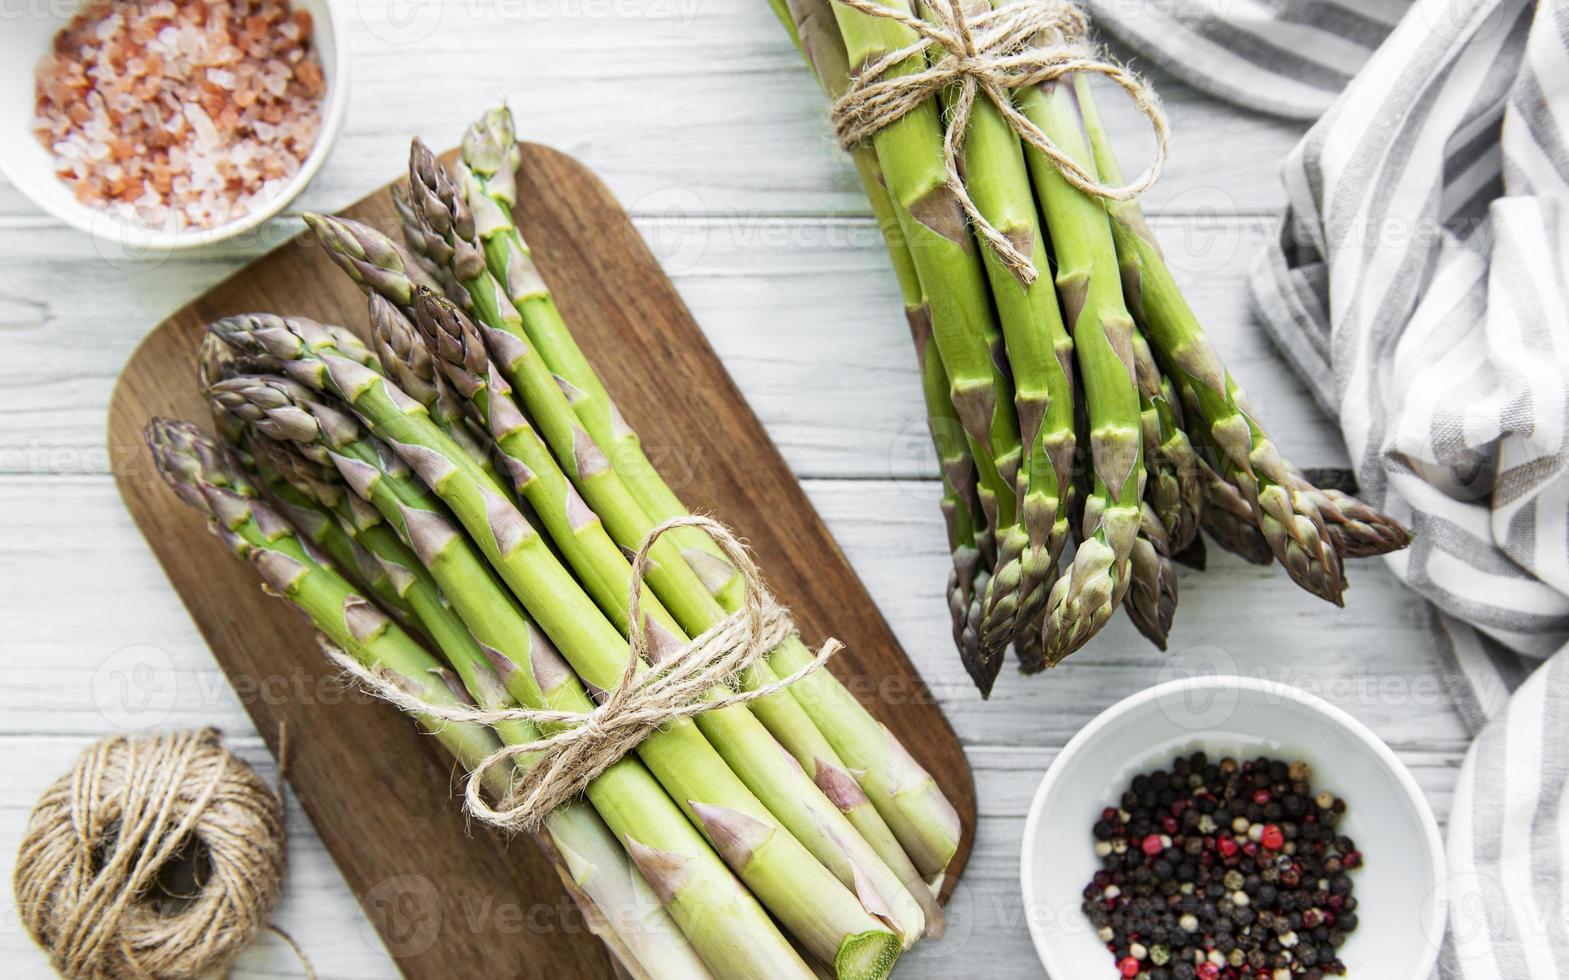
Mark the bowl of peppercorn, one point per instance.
(1229, 828)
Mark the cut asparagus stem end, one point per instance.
(867, 956)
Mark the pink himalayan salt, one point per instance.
(180, 114)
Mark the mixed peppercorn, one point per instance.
(1224, 870)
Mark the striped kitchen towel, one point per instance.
(1420, 282)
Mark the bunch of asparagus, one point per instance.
(1091, 407)
(452, 506)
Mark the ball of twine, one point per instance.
(91, 874)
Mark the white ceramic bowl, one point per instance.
(27, 35)
(1400, 893)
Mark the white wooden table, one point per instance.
(704, 123)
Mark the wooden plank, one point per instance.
(375, 789)
(985, 913)
(804, 313)
(671, 100)
(137, 662)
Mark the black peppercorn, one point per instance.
(1226, 864)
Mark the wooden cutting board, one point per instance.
(450, 898)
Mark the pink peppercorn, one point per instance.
(1261, 797)
(1206, 971)
(1152, 845)
(1273, 838)
(1129, 967)
(1228, 847)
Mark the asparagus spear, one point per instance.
(833, 922)
(448, 225)
(460, 351)
(1361, 531)
(512, 322)
(1038, 352)
(1169, 458)
(617, 902)
(194, 467)
(929, 825)
(490, 158)
(811, 24)
(1228, 517)
(893, 775)
(936, 228)
(369, 257)
(1152, 593)
(215, 362)
(408, 221)
(1082, 602)
(1030, 650)
(969, 540)
(679, 864)
(406, 362)
(1195, 555)
(1247, 457)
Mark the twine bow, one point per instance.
(991, 52)
(679, 686)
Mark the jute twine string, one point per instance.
(990, 53)
(563, 763)
(87, 874)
